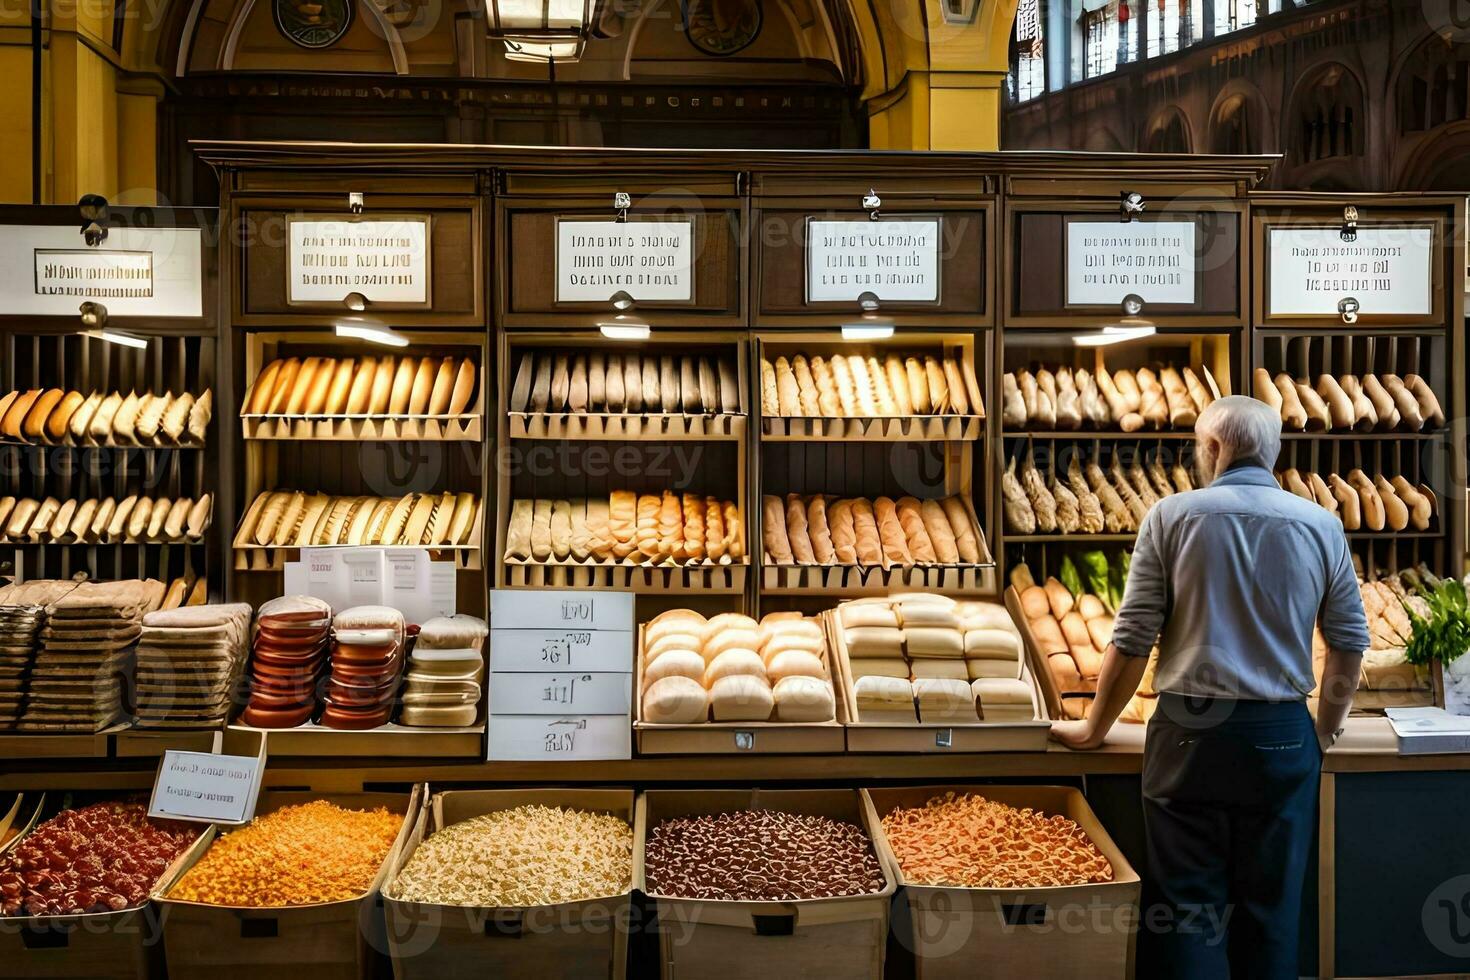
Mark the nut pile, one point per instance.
(760, 855)
(528, 856)
(971, 842)
(100, 858)
(297, 855)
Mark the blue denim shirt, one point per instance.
(1229, 580)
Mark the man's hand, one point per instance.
(1076, 735)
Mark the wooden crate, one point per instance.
(841, 937)
(574, 939)
(740, 737)
(919, 736)
(332, 940)
(1069, 931)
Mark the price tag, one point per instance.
(538, 650)
(205, 787)
(519, 609)
(524, 738)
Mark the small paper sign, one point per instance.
(1108, 260)
(205, 787)
(384, 259)
(1389, 270)
(648, 260)
(895, 259)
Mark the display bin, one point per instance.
(586, 939)
(1068, 931)
(101, 945)
(839, 937)
(328, 941)
(741, 737)
(1010, 736)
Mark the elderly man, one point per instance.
(1234, 577)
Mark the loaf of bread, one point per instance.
(664, 528)
(288, 519)
(862, 532)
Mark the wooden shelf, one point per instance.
(387, 742)
(1083, 434)
(191, 446)
(1367, 436)
(913, 428)
(860, 580)
(268, 558)
(364, 428)
(1009, 538)
(650, 428)
(677, 579)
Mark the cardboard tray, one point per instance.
(105, 945)
(740, 737)
(327, 941)
(588, 938)
(1072, 931)
(837, 937)
(1009, 736)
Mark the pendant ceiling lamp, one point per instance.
(541, 30)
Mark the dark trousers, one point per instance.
(1229, 803)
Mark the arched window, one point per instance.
(1028, 61)
(1167, 133)
(1327, 116)
(1230, 127)
(1433, 86)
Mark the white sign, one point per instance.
(1108, 260)
(553, 694)
(386, 260)
(538, 650)
(1388, 270)
(517, 609)
(648, 260)
(896, 259)
(206, 787)
(524, 738)
(46, 270)
(399, 577)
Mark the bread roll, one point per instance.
(740, 697)
(674, 663)
(967, 543)
(1410, 415)
(176, 417)
(1349, 501)
(426, 375)
(11, 425)
(380, 400)
(1383, 403)
(199, 417)
(1429, 408)
(693, 512)
(612, 387)
(890, 532)
(33, 426)
(1395, 510)
(916, 535)
(714, 530)
(734, 531)
(1374, 512)
(201, 513)
(856, 614)
(869, 542)
(675, 700)
(819, 531)
(794, 663)
(1339, 405)
(844, 532)
(462, 392)
(796, 531)
(734, 661)
(773, 531)
(800, 699)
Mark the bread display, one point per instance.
(886, 533)
(331, 387)
(1062, 398)
(1350, 403)
(1364, 503)
(133, 520)
(1085, 498)
(295, 519)
(626, 528)
(1387, 680)
(56, 417)
(919, 657)
(731, 668)
(857, 386)
(670, 384)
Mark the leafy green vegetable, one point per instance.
(1445, 633)
(1118, 579)
(1095, 569)
(1069, 576)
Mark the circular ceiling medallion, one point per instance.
(722, 27)
(313, 23)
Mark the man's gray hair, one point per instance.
(1246, 428)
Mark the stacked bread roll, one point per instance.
(295, 519)
(854, 386)
(731, 668)
(627, 527)
(930, 658)
(56, 417)
(1071, 633)
(625, 383)
(1087, 499)
(132, 520)
(1063, 399)
(188, 663)
(445, 672)
(288, 653)
(327, 387)
(1372, 403)
(86, 649)
(366, 668)
(1366, 503)
(826, 530)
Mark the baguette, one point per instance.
(403, 383)
(668, 382)
(729, 387)
(633, 383)
(138, 519)
(819, 531)
(612, 384)
(21, 516)
(258, 400)
(463, 390)
(770, 397)
(34, 424)
(1182, 410)
(1130, 386)
(561, 529)
(882, 393)
(176, 417)
(806, 387)
(862, 386)
(40, 525)
(799, 541)
(941, 534)
(462, 523)
(360, 394)
(1292, 482)
(381, 397)
(1340, 409)
(1421, 509)
(561, 382)
(596, 381)
(1322, 492)
(1383, 403)
(199, 518)
(199, 416)
(288, 521)
(1154, 403)
(518, 530)
(125, 421)
(312, 517)
(101, 521)
(965, 538)
(15, 416)
(81, 420)
(338, 389)
(918, 383)
(302, 387)
(847, 402)
(868, 542)
(1429, 408)
(315, 402)
(1198, 393)
(910, 518)
(79, 519)
(426, 377)
(1319, 418)
(442, 391)
(788, 393)
(1395, 509)
(520, 389)
(690, 400)
(1365, 416)
(940, 396)
(1403, 400)
(844, 532)
(650, 383)
(176, 523)
(1293, 414)
(959, 398)
(1373, 510)
(281, 385)
(898, 383)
